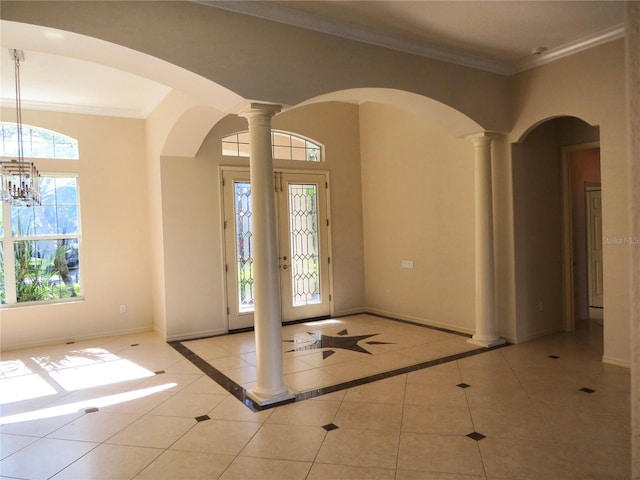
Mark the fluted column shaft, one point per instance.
(486, 328)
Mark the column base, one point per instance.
(494, 342)
(263, 400)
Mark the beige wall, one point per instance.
(591, 86)
(192, 225)
(417, 184)
(115, 263)
(269, 61)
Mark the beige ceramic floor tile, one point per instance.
(172, 465)
(390, 390)
(110, 462)
(570, 426)
(244, 468)
(232, 409)
(310, 380)
(599, 462)
(228, 363)
(205, 385)
(305, 413)
(40, 427)
(439, 453)
(217, 436)
(511, 422)
(52, 456)
(185, 404)
(446, 373)
(440, 419)
(10, 444)
(242, 375)
(415, 475)
(365, 448)
(511, 458)
(153, 431)
(350, 370)
(321, 471)
(302, 442)
(370, 416)
(95, 427)
(441, 396)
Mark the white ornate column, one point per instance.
(486, 334)
(270, 386)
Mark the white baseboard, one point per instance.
(616, 361)
(346, 313)
(194, 335)
(421, 321)
(77, 338)
(532, 335)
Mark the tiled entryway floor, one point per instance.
(134, 407)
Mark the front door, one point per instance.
(303, 245)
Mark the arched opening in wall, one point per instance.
(557, 230)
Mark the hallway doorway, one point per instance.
(303, 245)
(584, 293)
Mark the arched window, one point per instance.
(286, 146)
(37, 143)
(40, 244)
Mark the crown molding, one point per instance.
(599, 38)
(73, 108)
(305, 20)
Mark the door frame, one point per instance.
(225, 261)
(568, 271)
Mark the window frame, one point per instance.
(240, 143)
(8, 241)
(57, 138)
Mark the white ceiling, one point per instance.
(497, 36)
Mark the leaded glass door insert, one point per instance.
(303, 246)
(244, 257)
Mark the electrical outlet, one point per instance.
(407, 263)
(123, 309)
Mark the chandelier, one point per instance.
(19, 179)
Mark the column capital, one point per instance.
(255, 109)
(482, 138)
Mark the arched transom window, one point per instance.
(37, 143)
(286, 146)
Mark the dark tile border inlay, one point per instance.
(241, 394)
(555, 357)
(92, 410)
(202, 418)
(463, 385)
(587, 390)
(476, 436)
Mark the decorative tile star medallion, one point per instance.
(331, 343)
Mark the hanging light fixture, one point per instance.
(19, 179)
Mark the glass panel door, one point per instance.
(301, 206)
(306, 285)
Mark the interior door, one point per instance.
(594, 247)
(303, 245)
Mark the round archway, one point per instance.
(555, 165)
